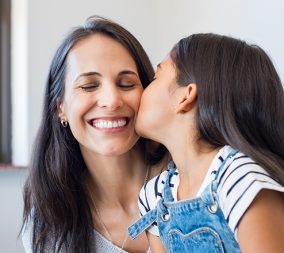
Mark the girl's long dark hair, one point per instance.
(240, 97)
(55, 199)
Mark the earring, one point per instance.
(64, 123)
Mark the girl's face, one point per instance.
(102, 96)
(158, 103)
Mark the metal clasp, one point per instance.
(166, 216)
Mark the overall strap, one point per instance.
(232, 152)
(209, 195)
(150, 217)
(142, 224)
(168, 196)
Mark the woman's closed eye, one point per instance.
(128, 82)
(89, 87)
(126, 86)
(88, 82)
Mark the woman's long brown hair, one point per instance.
(56, 205)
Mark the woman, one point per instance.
(88, 164)
(217, 104)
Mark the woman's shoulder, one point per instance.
(26, 235)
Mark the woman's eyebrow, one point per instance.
(127, 72)
(92, 73)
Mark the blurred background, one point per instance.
(32, 29)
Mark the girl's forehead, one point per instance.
(166, 65)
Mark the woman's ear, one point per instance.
(188, 98)
(60, 110)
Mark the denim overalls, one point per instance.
(196, 225)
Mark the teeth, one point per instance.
(109, 124)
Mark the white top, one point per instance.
(101, 244)
(238, 183)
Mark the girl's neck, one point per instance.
(193, 161)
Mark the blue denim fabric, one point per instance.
(196, 225)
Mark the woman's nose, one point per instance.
(110, 97)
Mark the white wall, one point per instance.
(20, 88)
(158, 24)
(256, 21)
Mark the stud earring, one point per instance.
(64, 123)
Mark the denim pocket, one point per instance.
(201, 240)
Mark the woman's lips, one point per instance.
(109, 122)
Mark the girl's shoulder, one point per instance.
(238, 184)
(152, 192)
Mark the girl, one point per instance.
(88, 164)
(217, 104)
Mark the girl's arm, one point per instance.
(262, 227)
(156, 244)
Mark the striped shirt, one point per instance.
(238, 184)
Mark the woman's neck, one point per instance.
(113, 184)
(116, 181)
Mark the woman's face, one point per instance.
(102, 96)
(158, 103)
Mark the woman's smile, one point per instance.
(110, 124)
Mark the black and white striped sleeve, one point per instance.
(238, 185)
